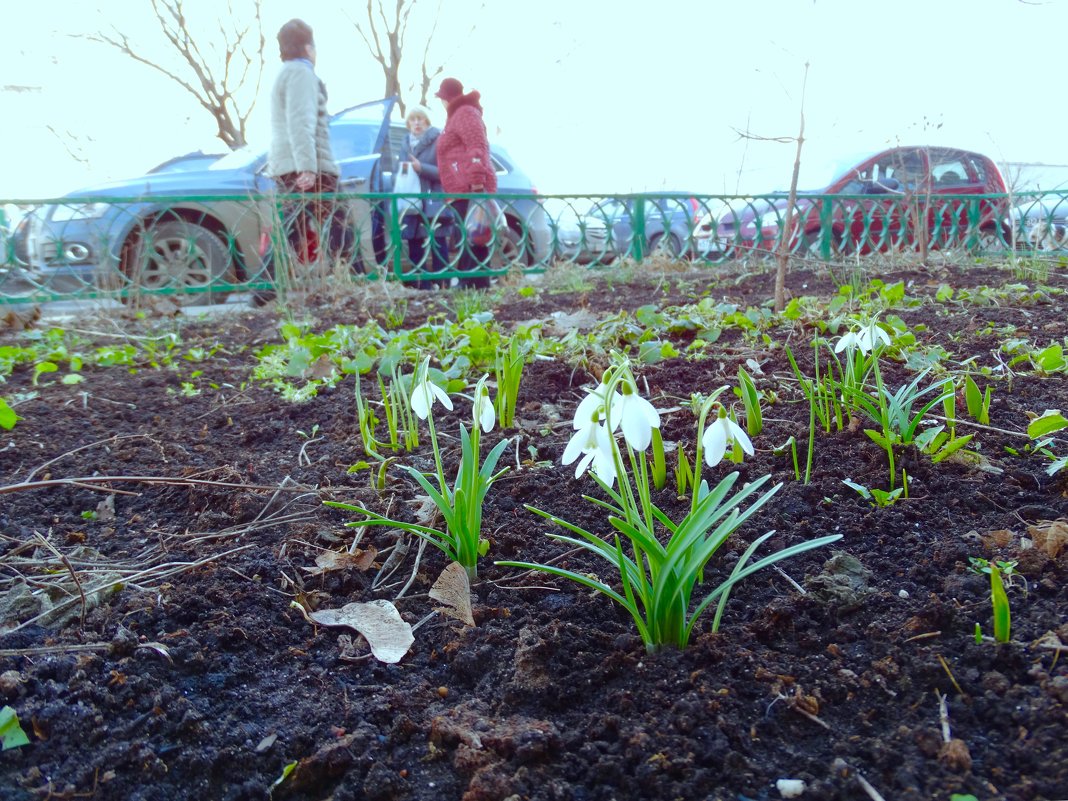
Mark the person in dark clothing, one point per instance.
(464, 163)
(419, 153)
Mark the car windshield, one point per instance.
(606, 209)
(353, 133)
(819, 175)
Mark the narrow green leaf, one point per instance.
(1000, 600)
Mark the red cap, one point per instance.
(450, 88)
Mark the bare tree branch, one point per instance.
(224, 75)
(384, 29)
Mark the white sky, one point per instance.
(589, 96)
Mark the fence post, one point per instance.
(974, 221)
(825, 228)
(637, 219)
(395, 241)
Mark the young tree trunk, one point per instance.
(786, 235)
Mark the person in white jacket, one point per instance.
(300, 159)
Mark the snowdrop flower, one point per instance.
(593, 442)
(719, 435)
(864, 339)
(637, 417)
(425, 393)
(593, 404)
(482, 410)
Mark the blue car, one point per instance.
(199, 228)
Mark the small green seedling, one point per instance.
(877, 497)
(8, 418)
(1000, 601)
(754, 421)
(659, 467)
(285, 775)
(978, 402)
(11, 733)
(939, 444)
(683, 473)
(1009, 573)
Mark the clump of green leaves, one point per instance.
(460, 505)
(658, 579)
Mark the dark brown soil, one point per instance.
(202, 679)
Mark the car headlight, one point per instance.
(79, 211)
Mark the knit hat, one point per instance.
(450, 89)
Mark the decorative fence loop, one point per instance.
(201, 247)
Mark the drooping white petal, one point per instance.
(441, 395)
(604, 463)
(638, 418)
(483, 413)
(487, 415)
(423, 396)
(421, 400)
(848, 340)
(594, 403)
(588, 407)
(584, 462)
(737, 433)
(876, 334)
(714, 442)
(580, 442)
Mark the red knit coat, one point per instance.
(463, 148)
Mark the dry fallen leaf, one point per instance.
(327, 561)
(105, 510)
(425, 510)
(388, 634)
(999, 538)
(454, 590)
(1050, 536)
(321, 368)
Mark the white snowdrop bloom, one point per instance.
(425, 393)
(594, 444)
(719, 435)
(849, 340)
(637, 417)
(482, 410)
(863, 339)
(594, 403)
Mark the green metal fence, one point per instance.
(118, 247)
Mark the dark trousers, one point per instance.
(473, 257)
(308, 222)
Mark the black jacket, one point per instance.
(426, 153)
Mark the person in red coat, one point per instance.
(464, 163)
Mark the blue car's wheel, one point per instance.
(178, 255)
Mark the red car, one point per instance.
(875, 206)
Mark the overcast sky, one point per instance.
(589, 96)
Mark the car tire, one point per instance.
(994, 240)
(664, 245)
(179, 255)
